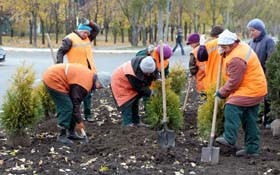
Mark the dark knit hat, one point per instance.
(256, 24)
(193, 38)
(216, 30)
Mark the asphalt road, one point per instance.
(40, 59)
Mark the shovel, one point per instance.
(166, 137)
(187, 95)
(211, 153)
(84, 135)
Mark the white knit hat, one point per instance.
(148, 65)
(227, 38)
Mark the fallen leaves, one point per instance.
(88, 162)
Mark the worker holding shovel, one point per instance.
(78, 48)
(68, 85)
(130, 82)
(244, 89)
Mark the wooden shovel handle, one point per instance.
(216, 103)
(164, 120)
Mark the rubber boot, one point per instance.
(62, 137)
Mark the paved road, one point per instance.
(106, 60)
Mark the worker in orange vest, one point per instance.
(68, 84)
(196, 67)
(130, 82)
(244, 89)
(209, 54)
(78, 48)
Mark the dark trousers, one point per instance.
(64, 108)
(247, 116)
(130, 113)
(181, 46)
(266, 119)
(87, 105)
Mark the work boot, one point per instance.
(72, 135)
(243, 153)
(223, 141)
(62, 137)
(141, 124)
(89, 118)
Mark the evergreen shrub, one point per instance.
(178, 78)
(155, 109)
(46, 100)
(273, 80)
(21, 107)
(205, 115)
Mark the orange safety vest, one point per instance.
(60, 76)
(200, 75)
(121, 88)
(254, 81)
(81, 52)
(212, 64)
(156, 57)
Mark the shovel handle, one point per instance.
(216, 103)
(187, 94)
(51, 48)
(164, 120)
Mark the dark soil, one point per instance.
(113, 149)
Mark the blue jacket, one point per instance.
(263, 46)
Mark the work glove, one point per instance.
(80, 126)
(221, 51)
(84, 21)
(217, 94)
(202, 40)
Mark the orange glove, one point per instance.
(80, 126)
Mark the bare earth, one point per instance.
(114, 150)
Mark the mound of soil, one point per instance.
(113, 149)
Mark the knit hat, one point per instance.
(148, 65)
(104, 78)
(83, 27)
(193, 38)
(216, 30)
(227, 38)
(256, 24)
(167, 51)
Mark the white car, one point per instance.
(2, 54)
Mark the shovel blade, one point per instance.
(166, 138)
(210, 154)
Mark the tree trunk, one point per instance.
(144, 38)
(122, 32)
(134, 35)
(43, 31)
(30, 32)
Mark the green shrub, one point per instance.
(155, 110)
(46, 101)
(273, 80)
(21, 106)
(178, 78)
(205, 115)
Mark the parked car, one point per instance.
(2, 54)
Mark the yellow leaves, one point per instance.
(14, 152)
(103, 168)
